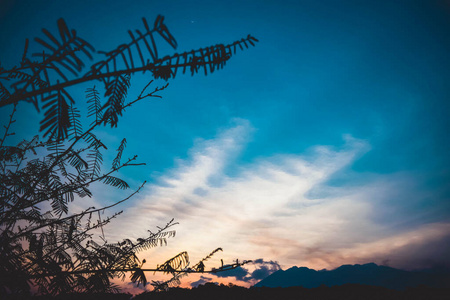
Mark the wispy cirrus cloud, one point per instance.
(284, 208)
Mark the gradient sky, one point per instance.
(326, 144)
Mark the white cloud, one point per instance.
(267, 210)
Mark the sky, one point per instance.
(325, 144)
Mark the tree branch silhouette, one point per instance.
(55, 249)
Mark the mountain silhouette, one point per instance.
(367, 274)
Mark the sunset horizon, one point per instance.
(322, 142)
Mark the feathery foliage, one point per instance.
(43, 242)
(45, 82)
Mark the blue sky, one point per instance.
(325, 144)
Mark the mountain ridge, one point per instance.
(367, 274)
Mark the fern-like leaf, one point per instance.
(138, 277)
(161, 286)
(93, 141)
(115, 182)
(154, 240)
(54, 146)
(94, 106)
(63, 53)
(95, 159)
(200, 266)
(116, 161)
(176, 263)
(59, 203)
(209, 59)
(162, 29)
(25, 78)
(122, 56)
(56, 117)
(77, 161)
(117, 91)
(75, 129)
(4, 93)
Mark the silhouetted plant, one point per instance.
(42, 243)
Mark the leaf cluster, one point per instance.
(44, 78)
(43, 242)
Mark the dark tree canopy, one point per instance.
(42, 242)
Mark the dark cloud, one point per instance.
(273, 264)
(239, 273)
(263, 269)
(202, 280)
